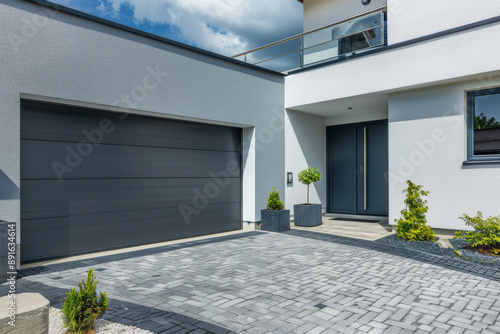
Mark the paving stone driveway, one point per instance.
(294, 282)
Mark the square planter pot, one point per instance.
(275, 220)
(307, 214)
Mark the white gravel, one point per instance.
(102, 326)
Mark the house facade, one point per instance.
(112, 137)
(402, 83)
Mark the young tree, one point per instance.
(308, 176)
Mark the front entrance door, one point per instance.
(357, 168)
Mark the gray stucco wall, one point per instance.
(50, 53)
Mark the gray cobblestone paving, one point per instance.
(293, 282)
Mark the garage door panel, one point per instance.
(55, 123)
(114, 161)
(81, 234)
(51, 198)
(149, 180)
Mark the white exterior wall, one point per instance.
(452, 58)
(427, 144)
(55, 55)
(305, 147)
(425, 85)
(408, 19)
(319, 13)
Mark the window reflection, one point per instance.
(487, 124)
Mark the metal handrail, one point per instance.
(378, 9)
(316, 45)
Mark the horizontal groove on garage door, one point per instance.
(150, 179)
(70, 235)
(51, 122)
(108, 161)
(52, 198)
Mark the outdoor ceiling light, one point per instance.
(366, 2)
(289, 177)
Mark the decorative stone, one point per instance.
(29, 312)
(275, 220)
(444, 243)
(307, 215)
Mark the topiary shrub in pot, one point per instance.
(275, 218)
(412, 226)
(308, 214)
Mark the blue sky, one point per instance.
(227, 27)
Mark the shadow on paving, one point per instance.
(482, 270)
(128, 255)
(126, 313)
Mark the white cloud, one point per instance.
(223, 26)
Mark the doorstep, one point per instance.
(359, 227)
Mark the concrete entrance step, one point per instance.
(384, 219)
(349, 226)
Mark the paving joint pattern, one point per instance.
(293, 282)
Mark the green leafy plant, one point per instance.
(82, 307)
(274, 202)
(482, 122)
(486, 235)
(308, 176)
(412, 226)
(460, 254)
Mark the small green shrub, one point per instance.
(81, 308)
(308, 176)
(486, 232)
(412, 226)
(274, 202)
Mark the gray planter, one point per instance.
(4, 256)
(275, 220)
(307, 215)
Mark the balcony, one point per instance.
(341, 39)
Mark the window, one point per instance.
(483, 121)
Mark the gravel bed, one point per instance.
(421, 246)
(433, 248)
(102, 326)
(471, 255)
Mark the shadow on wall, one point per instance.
(310, 133)
(8, 189)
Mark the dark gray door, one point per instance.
(357, 171)
(342, 169)
(94, 180)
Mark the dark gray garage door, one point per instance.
(94, 180)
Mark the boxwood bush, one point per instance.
(486, 235)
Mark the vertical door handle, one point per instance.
(364, 168)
